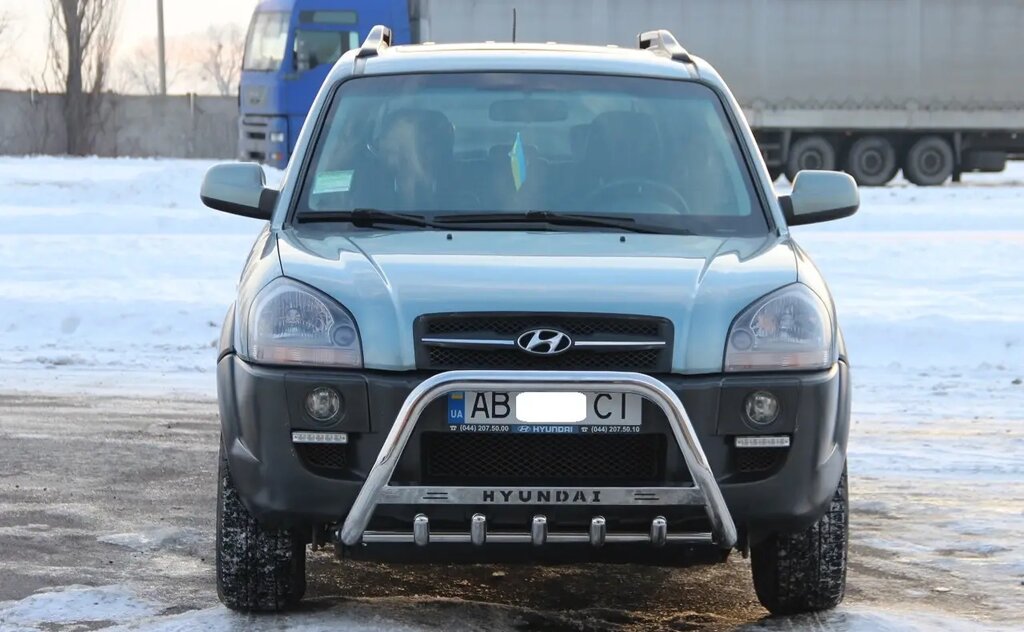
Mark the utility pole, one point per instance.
(161, 53)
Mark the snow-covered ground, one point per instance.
(929, 285)
(114, 278)
(112, 270)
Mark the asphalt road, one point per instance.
(102, 491)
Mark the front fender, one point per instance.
(226, 345)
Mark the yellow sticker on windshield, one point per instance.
(518, 159)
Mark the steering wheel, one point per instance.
(638, 187)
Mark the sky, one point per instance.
(23, 46)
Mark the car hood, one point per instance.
(388, 278)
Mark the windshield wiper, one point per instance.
(548, 217)
(367, 217)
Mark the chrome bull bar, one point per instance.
(378, 490)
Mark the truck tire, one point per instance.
(810, 152)
(805, 571)
(929, 161)
(258, 569)
(871, 160)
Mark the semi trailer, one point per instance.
(926, 87)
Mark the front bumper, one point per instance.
(263, 139)
(260, 407)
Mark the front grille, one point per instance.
(646, 360)
(477, 458)
(506, 328)
(510, 325)
(758, 459)
(329, 456)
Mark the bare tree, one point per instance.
(6, 23)
(81, 37)
(222, 62)
(139, 72)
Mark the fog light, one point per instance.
(761, 407)
(323, 403)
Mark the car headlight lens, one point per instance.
(789, 329)
(291, 323)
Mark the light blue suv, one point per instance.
(531, 301)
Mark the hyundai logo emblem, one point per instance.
(544, 342)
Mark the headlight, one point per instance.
(291, 323)
(788, 329)
(277, 137)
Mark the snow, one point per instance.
(858, 619)
(157, 539)
(120, 610)
(115, 277)
(113, 268)
(928, 278)
(75, 604)
(352, 617)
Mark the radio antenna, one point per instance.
(513, 25)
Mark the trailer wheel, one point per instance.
(810, 152)
(929, 162)
(871, 160)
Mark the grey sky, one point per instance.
(24, 47)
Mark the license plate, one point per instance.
(546, 412)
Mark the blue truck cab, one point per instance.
(290, 48)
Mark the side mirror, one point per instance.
(820, 196)
(240, 189)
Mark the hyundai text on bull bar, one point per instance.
(532, 302)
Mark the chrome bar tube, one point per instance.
(376, 485)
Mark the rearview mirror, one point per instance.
(820, 196)
(238, 188)
(529, 111)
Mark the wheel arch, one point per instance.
(226, 344)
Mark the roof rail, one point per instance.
(662, 41)
(378, 39)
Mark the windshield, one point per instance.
(268, 39)
(315, 48)
(657, 152)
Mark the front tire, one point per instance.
(258, 569)
(805, 571)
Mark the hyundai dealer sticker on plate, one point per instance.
(547, 412)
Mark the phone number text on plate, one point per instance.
(544, 428)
